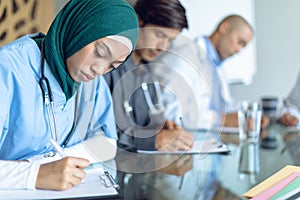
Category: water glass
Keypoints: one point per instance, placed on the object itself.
(249, 118)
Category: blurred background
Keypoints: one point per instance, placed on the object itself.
(268, 66)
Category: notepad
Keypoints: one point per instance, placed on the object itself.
(291, 189)
(200, 147)
(277, 187)
(292, 195)
(272, 180)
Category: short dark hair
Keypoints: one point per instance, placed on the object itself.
(166, 13)
(236, 21)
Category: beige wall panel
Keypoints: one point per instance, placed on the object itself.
(20, 17)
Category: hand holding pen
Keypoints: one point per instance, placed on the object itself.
(171, 125)
(173, 138)
(61, 174)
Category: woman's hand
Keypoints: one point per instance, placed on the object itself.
(62, 174)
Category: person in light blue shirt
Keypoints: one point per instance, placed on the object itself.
(23, 107)
(51, 90)
(204, 57)
(232, 34)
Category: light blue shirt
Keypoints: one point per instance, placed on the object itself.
(187, 71)
(212, 52)
(24, 125)
(218, 102)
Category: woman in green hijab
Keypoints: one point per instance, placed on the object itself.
(57, 114)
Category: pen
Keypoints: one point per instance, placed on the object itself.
(57, 148)
(97, 165)
(181, 122)
(283, 150)
(181, 182)
(182, 177)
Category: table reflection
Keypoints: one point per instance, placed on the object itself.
(196, 176)
(292, 145)
(188, 177)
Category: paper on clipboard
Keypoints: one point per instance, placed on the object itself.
(221, 129)
(199, 147)
(91, 187)
(272, 180)
(227, 129)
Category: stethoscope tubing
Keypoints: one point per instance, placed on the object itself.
(154, 109)
(48, 99)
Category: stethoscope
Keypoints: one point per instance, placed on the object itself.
(154, 109)
(49, 103)
(156, 114)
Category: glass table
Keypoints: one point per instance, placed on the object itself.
(203, 176)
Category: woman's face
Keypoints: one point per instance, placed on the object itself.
(95, 59)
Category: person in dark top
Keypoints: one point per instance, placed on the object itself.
(139, 106)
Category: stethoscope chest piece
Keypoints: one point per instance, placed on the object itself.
(157, 109)
(49, 154)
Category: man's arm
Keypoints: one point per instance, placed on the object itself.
(290, 114)
(231, 120)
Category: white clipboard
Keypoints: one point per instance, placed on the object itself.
(92, 186)
(206, 146)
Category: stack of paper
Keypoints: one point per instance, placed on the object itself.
(284, 184)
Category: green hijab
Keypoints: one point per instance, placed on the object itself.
(79, 23)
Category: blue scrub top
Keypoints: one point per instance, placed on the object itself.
(24, 124)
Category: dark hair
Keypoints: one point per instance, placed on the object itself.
(166, 13)
(236, 21)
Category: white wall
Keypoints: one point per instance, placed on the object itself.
(277, 40)
(276, 45)
(278, 50)
(59, 4)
